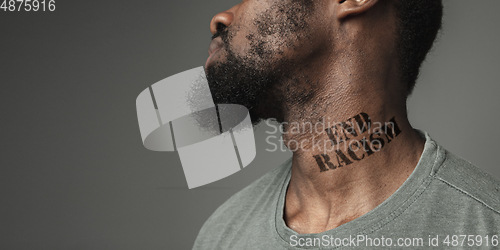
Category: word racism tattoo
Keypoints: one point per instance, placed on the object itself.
(359, 139)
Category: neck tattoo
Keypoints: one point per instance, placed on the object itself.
(354, 140)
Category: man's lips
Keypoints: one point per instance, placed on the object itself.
(215, 46)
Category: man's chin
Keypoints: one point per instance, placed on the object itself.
(244, 82)
(213, 60)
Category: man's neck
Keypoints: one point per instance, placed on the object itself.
(345, 167)
(352, 143)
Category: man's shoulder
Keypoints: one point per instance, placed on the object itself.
(262, 188)
(471, 181)
(254, 201)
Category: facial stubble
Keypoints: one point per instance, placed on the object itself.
(264, 79)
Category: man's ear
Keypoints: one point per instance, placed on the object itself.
(353, 7)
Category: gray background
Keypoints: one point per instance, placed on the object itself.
(74, 173)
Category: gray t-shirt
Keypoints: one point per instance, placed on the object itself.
(446, 203)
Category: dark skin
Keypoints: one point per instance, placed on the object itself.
(343, 56)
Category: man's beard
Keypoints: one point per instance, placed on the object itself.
(263, 80)
(245, 81)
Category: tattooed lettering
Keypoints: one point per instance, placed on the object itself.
(359, 137)
(343, 131)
